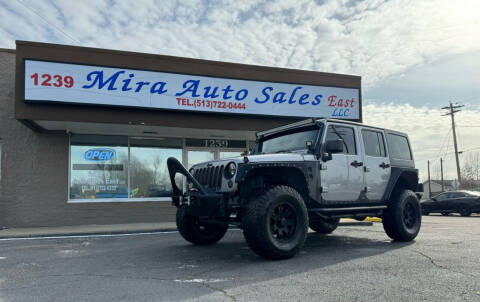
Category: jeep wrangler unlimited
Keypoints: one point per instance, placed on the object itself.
(307, 174)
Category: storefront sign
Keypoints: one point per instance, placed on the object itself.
(82, 84)
(99, 154)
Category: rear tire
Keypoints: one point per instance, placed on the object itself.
(197, 232)
(465, 211)
(323, 226)
(402, 219)
(275, 223)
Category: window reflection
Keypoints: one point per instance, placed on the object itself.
(148, 171)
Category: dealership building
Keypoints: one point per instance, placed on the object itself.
(85, 133)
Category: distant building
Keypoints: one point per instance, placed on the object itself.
(448, 185)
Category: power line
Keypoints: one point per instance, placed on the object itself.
(46, 21)
(443, 143)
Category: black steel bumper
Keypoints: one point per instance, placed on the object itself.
(199, 200)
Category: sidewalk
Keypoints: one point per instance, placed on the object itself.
(87, 230)
(114, 229)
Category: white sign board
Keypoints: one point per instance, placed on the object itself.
(96, 85)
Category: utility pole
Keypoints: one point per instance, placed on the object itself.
(452, 110)
(441, 172)
(429, 182)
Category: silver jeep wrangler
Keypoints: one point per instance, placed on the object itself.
(307, 174)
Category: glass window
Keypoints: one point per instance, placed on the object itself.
(441, 196)
(347, 134)
(98, 167)
(105, 166)
(288, 141)
(148, 166)
(457, 195)
(399, 147)
(373, 143)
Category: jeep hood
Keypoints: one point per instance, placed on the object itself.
(276, 157)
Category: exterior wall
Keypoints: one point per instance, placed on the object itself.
(35, 175)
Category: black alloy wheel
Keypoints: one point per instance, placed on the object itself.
(409, 215)
(283, 222)
(464, 211)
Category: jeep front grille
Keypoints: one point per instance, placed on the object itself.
(210, 176)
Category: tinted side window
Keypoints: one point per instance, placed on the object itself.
(347, 134)
(373, 142)
(441, 196)
(398, 146)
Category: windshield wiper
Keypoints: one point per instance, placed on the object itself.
(284, 151)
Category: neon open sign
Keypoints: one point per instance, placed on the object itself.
(99, 154)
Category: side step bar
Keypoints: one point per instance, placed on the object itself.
(351, 212)
(350, 209)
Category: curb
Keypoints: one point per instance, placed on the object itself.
(80, 233)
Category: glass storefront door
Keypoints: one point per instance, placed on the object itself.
(229, 154)
(198, 156)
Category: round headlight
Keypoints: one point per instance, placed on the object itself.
(231, 170)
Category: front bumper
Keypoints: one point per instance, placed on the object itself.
(200, 200)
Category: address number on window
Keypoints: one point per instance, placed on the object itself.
(216, 143)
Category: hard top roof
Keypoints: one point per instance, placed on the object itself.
(315, 120)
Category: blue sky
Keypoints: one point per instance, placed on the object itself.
(414, 56)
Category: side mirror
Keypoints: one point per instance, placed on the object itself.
(334, 146)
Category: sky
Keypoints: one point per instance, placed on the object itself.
(414, 57)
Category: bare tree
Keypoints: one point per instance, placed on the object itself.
(471, 171)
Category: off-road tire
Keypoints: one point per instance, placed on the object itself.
(323, 226)
(261, 230)
(464, 211)
(403, 217)
(197, 232)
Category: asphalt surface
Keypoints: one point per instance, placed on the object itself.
(352, 264)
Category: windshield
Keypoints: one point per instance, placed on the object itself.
(288, 141)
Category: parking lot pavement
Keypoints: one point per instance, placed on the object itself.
(352, 264)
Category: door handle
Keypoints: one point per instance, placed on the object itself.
(384, 165)
(356, 163)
